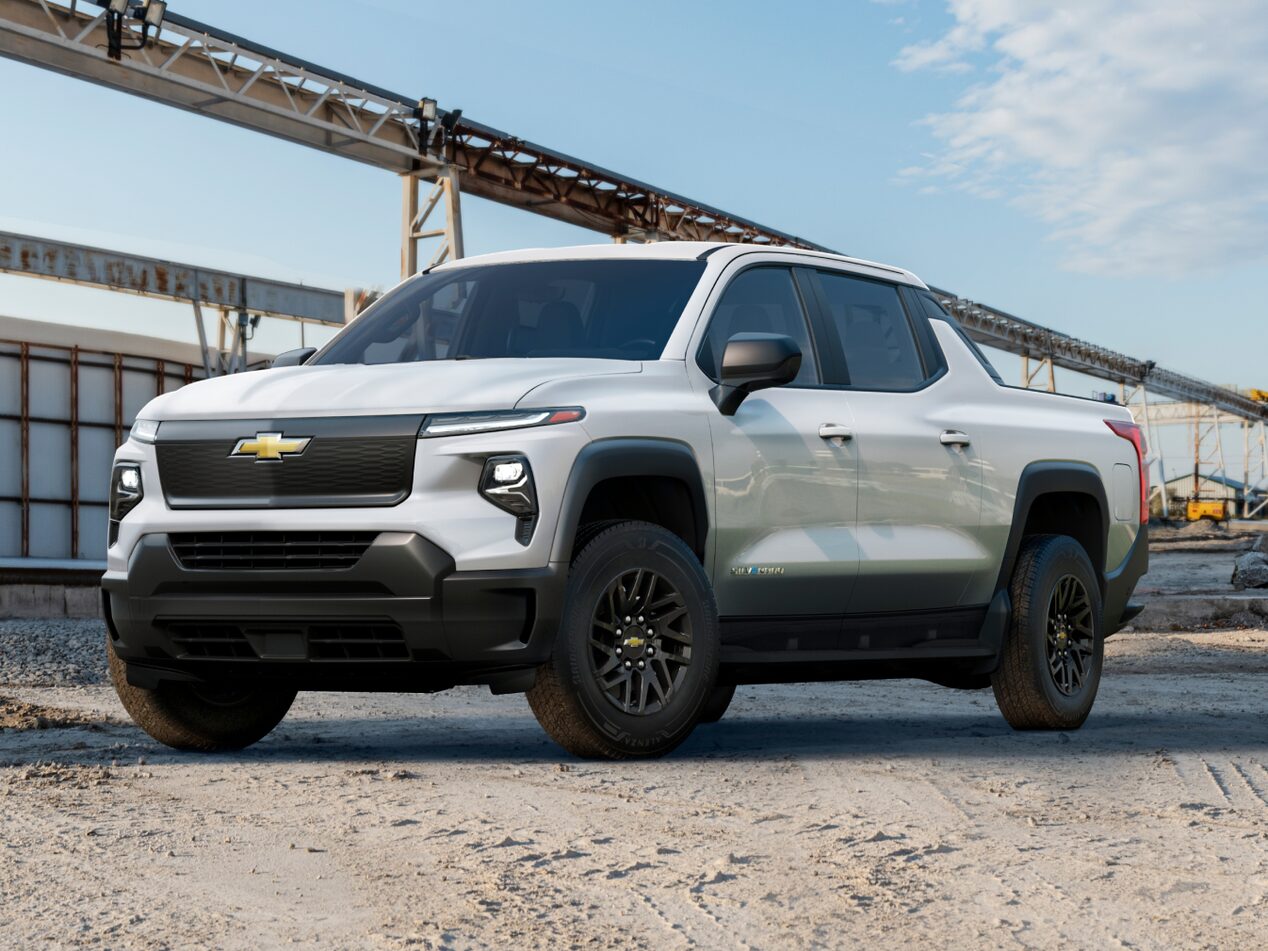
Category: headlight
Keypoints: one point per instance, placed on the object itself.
(461, 424)
(507, 482)
(145, 430)
(125, 492)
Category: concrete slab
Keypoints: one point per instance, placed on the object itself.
(49, 600)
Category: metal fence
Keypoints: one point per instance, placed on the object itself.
(63, 412)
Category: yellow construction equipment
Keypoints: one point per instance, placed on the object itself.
(1217, 510)
(1259, 396)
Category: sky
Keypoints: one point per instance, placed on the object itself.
(1093, 165)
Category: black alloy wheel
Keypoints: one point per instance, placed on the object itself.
(1053, 653)
(1071, 635)
(638, 648)
(640, 642)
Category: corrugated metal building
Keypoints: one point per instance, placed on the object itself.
(68, 396)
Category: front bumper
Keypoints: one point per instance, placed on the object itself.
(401, 618)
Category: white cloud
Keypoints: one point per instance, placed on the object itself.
(1135, 130)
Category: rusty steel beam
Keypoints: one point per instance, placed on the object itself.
(202, 70)
(995, 328)
(208, 71)
(505, 168)
(166, 280)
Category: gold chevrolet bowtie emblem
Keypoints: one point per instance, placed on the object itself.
(270, 447)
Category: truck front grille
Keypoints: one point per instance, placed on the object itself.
(345, 461)
(270, 551)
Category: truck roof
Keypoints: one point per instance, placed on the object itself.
(720, 251)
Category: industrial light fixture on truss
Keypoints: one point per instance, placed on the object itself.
(434, 133)
(149, 12)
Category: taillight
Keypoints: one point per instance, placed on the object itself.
(1133, 434)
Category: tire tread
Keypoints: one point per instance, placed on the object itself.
(556, 706)
(1015, 682)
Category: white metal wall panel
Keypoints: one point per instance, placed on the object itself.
(10, 459)
(50, 530)
(50, 384)
(96, 390)
(10, 527)
(68, 449)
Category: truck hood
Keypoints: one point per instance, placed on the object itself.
(356, 390)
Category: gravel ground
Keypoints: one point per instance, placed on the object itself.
(52, 652)
(878, 814)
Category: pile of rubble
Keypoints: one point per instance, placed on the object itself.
(1251, 569)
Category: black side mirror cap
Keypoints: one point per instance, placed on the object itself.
(754, 362)
(294, 358)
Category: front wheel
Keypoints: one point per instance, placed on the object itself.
(719, 702)
(1050, 667)
(205, 718)
(637, 652)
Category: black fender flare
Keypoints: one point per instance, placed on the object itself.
(629, 456)
(1044, 478)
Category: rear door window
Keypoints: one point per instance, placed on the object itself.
(876, 336)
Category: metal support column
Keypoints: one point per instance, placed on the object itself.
(202, 342)
(1208, 450)
(1029, 377)
(118, 399)
(231, 342)
(24, 399)
(446, 193)
(1136, 400)
(636, 236)
(1256, 473)
(74, 452)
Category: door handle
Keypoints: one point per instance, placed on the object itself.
(835, 431)
(953, 437)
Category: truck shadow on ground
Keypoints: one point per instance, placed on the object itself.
(505, 739)
(767, 737)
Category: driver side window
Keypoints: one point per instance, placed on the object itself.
(759, 300)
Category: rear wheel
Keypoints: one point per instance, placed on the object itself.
(1050, 667)
(206, 718)
(637, 652)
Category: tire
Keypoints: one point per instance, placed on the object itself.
(1037, 686)
(719, 702)
(198, 717)
(590, 696)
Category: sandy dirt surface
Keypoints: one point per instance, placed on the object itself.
(882, 815)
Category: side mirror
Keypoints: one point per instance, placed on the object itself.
(754, 362)
(294, 358)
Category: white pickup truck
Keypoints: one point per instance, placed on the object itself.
(621, 480)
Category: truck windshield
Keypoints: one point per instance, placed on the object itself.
(619, 310)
